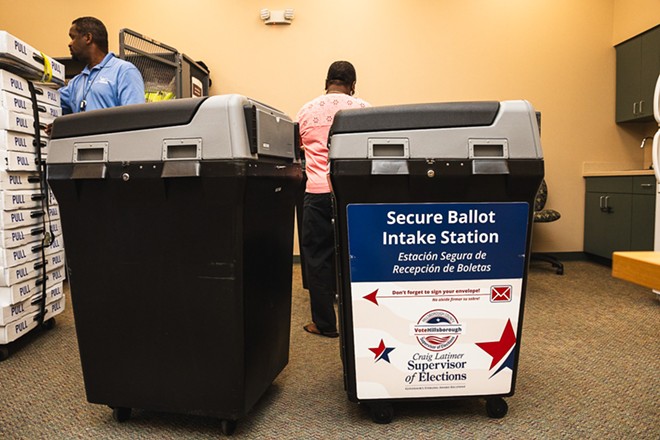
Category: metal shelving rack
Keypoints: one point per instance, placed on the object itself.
(167, 73)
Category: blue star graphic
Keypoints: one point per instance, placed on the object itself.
(385, 354)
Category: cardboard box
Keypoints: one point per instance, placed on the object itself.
(56, 245)
(23, 142)
(26, 59)
(54, 292)
(48, 111)
(19, 180)
(28, 288)
(22, 217)
(16, 103)
(56, 276)
(14, 121)
(12, 238)
(20, 327)
(15, 84)
(14, 312)
(52, 201)
(55, 227)
(18, 161)
(11, 200)
(16, 329)
(47, 95)
(53, 212)
(19, 255)
(32, 269)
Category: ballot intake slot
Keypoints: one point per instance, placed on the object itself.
(182, 149)
(388, 148)
(90, 152)
(488, 148)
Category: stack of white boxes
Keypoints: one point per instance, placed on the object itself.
(29, 215)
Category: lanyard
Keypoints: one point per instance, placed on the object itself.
(88, 87)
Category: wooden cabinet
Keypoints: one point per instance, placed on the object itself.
(619, 214)
(637, 68)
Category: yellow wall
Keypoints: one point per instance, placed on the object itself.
(558, 54)
(629, 19)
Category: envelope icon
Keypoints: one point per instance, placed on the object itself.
(500, 293)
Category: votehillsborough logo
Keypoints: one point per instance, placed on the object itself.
(437, 330)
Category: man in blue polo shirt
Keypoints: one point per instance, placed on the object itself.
(106, 81)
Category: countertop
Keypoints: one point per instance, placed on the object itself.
(604, 169)
(639, 267)
(618, 173)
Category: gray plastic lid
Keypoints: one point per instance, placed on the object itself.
(127, 118)
(415, 117)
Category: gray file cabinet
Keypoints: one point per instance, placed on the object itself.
(619, 214)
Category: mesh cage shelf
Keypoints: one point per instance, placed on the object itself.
(167, 74)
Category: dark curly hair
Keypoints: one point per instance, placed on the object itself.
(340, 73)
(94, 26)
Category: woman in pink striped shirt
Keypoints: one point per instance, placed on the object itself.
(315, 119)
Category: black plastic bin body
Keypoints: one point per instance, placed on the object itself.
(433, 216)
(179, 250)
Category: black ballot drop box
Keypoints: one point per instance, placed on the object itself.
(178, 221)
(433, 217)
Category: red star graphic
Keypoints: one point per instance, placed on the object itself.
(372, 297)
(498, 349)
(382, 352)
(378, 350)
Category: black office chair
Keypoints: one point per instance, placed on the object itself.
(544, 215)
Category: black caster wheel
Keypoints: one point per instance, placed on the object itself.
(49, 324)
(121, 414)
(4, 353)
(381, 413)
(228, 426)
(496, 407)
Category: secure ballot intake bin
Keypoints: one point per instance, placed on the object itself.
(433, 215)
(178, 224)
